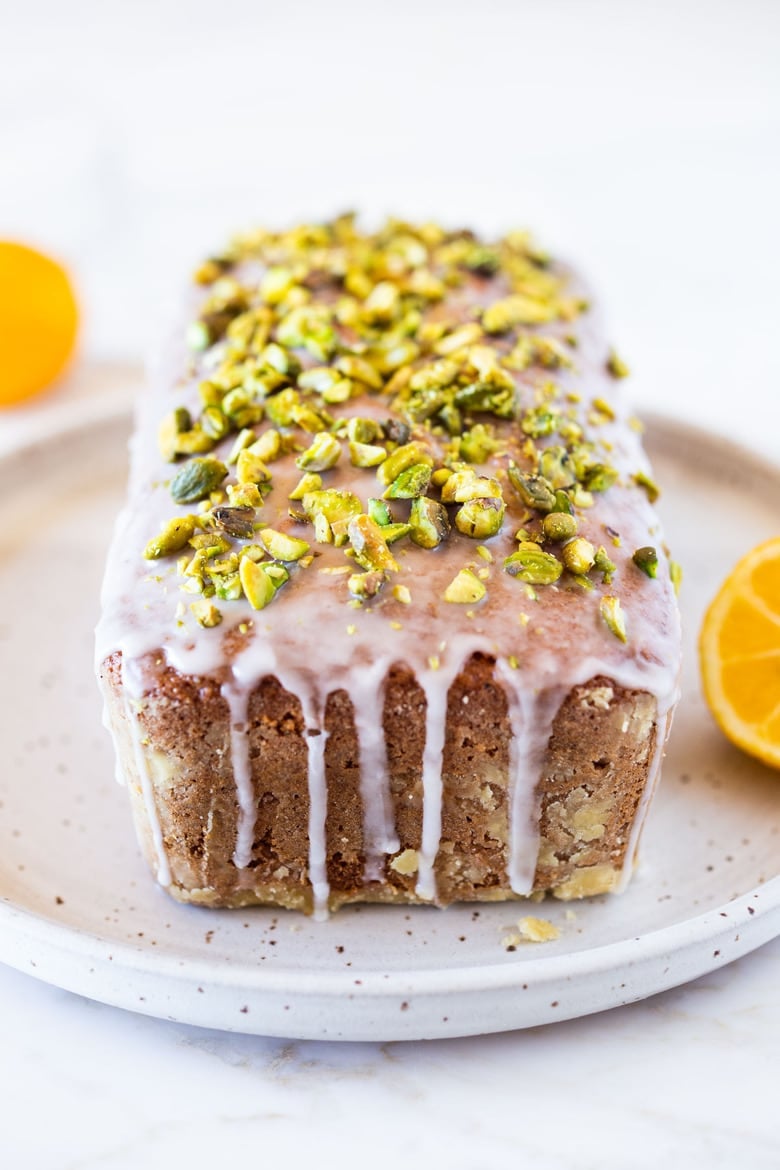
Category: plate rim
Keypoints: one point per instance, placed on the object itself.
(755, 915)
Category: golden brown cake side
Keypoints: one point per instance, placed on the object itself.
(593, 777)
(388, 615)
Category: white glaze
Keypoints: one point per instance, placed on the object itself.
(302, 638)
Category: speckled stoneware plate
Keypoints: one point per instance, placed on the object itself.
(78, 908)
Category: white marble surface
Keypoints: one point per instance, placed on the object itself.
(643, 140)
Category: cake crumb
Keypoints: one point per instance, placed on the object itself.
(537, 930)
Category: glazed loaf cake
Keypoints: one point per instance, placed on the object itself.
(388, 615)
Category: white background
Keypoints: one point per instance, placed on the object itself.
(643, 140)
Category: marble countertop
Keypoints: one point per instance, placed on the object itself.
(652, 158)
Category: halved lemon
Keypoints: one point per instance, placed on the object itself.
(739, 648)
(38, 321)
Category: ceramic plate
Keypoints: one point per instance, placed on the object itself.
(78, 909)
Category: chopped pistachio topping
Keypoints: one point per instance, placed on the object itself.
(369, 544)
(235, 520)
(480, 518)
(616, 366)
(323, 453)
(429, 522)
(206, 613)
(578, 556)
(559, 526)
(650, 487)
(612, 613)
(197, 479)
(465, 589)
(532, 565)
(281, 546)
(676, 575)
(306, 340)
(173, 538)
(646, 559)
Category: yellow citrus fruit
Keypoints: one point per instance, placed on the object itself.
(38, 321)
(739, 649)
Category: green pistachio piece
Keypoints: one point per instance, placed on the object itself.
(487, 397)
(340, 391)
(268, 446)
(334, 505)
(276, 283)
(482, 260)
(429, 522)
(380, 512)
(556, 467)
(214, 423)
(197, 479)
(318, 378)
(599, 478)
(650, 487)
(514, 310)
(559, 526)
(676, 575)
(532, 565)
(394, 532)
(280, 408)
(406, 456)
(646, 559)
(237, 401)
(206, 613)
(366, 455)
(381, 304)
(363, 430)
(259, 587)
(276, 357)
(563, 503)
(175, 423)
(310, 420)
(463, 336)
(477, 444)
(367, 539)
(199, 336)
(603, 564)
(359, 370)
(395, 430)
(539, 421)
(281, 546)
(309, 482)
(228, 586)
(480, 518)
(411, 483)
(612, 613)
(534, 490)
(467, 485)
(396, 355)
(323, 453)
(465, 589)
(250, 468)
(236, 521)
(578, 555)
(243, 439)
(366, 584)
(244, 495)
(435, 376)
(194, 442)
(174, 536)
(616, 366)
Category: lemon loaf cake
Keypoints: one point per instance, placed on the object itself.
(388, 615)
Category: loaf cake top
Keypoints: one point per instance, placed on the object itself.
(375, 444)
